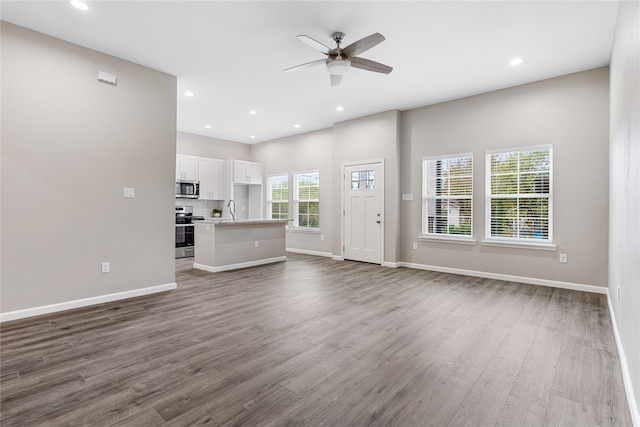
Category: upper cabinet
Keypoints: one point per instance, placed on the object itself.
(246, 172)
(211, 174)
(186, 167)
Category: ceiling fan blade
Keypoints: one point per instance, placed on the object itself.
(363, 45)
(315, 44)
(369, 65)
(335, 79)
(306, 65)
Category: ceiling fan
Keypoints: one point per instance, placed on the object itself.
(339, 59)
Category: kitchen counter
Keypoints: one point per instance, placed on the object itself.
(223, 244)
(227, 221)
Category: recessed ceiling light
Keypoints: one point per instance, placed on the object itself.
(252, 137)
(296, 125)
(339, 108)
(188, 93)
(207, 126)
(515, 61)
(80, 5)
(253, 112)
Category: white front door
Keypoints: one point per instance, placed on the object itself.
(363, 212)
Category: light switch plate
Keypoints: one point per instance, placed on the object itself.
(128, 192)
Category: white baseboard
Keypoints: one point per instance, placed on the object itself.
(509, 278)
(390, 264)
(85, 302)
(337, 258)
(307, 252)
(238, 265)
(626, 374)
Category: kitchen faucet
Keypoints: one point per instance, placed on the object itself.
(232, 211)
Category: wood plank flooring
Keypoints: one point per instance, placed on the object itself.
(312, 341)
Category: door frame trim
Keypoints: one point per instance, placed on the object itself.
(343, 166)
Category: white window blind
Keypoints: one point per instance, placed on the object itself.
(278, 196)
(447, 195)
(307, 200)
(519, 195)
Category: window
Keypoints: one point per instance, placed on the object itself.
(447, 196)
(278, 197)
(306, 200)
(519, 195)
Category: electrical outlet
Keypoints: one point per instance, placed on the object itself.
(563, 258)
(256, 244)
(128, 192)
(106, 267)
(415, 245)
(322, 237)
(618, 294)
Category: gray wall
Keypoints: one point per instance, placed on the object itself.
(569, 112)
(69, 146)
(624, 240)
(369, 138)
(202, 146)
(299, 153)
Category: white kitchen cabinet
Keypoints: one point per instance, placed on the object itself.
(211, 176)
(186, 167)
(243, 184)
(246, 172)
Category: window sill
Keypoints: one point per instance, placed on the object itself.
(520, 245)
(305, 230)
(447, 239)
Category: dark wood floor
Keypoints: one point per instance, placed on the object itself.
(312, 341)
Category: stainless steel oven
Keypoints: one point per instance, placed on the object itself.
(185, 240)
(185, 231)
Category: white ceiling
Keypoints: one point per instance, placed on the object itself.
(231, 54)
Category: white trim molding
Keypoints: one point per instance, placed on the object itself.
(308, 252)
(85, 302)
(509, 278)
(390, 264)
(304, 230)
(238, 265)
(447, 239)
(624, 366)
(520, 245)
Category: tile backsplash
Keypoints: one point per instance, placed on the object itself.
(201, 207)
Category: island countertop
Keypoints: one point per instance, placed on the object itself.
(229, 221)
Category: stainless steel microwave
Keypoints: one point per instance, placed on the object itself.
(187, 189)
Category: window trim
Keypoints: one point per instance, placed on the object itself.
(518, 242)
(296, 203)
(446, 238)
(269, 201)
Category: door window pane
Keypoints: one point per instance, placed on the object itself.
(363, 180)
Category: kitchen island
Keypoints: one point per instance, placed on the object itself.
(222, 244)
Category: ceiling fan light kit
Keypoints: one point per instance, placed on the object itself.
(338, 67)
(339, 60)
